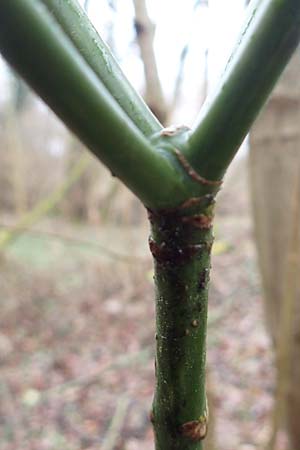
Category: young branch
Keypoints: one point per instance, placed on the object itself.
(181, 243)
(41, 52)
(271, 34)
(175, 173)
(38, 47)
(117, 422)
(97, 55)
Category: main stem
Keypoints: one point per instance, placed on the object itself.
(181, 242)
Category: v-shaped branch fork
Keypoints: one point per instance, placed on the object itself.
(54, 46)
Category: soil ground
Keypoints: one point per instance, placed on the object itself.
(77, 327)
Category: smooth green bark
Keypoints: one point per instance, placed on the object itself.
(40, 51)
(181, 242)
(270, 35)
(172, 171)
(97, 54)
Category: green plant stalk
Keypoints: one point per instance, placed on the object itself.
(41, 52)
(164, 173)
(181, 242)
(97, 54)
(271, 34)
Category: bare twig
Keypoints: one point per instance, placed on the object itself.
(86, 5)
(17, 161)
(116, 424)
(181, 66)
(179, 77)
(93, 246)
(112, 4)
(88, 379)
(145, 30)
(46, 204)
(200, 3)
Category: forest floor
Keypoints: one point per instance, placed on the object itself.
(77, 327)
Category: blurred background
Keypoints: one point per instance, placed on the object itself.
(76, 288)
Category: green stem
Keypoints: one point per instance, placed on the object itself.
(41, 52)
(271, 34)
(172, 168)
(180, 242)
(97, 54)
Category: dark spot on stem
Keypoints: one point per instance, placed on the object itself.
(203, 279)
(168, 254)
(195, 430)
(199, 307)
(207, 200)
(151, 416)
(201, 221)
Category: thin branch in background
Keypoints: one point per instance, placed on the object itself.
(145, 31)
(19, 97)
(112, 4)
(179, 77)
(84, 381)
(200, 3)
(98, 57)
(89, 378)
(287, 313)
(110, 38)
(114, 430)
(108, 200)
(93, 246)
(17, 161)
(86, 5)
(46, 204)
(205, 76)
(181, 67)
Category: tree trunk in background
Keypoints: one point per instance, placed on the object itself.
(145, 31)
(274, 168)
